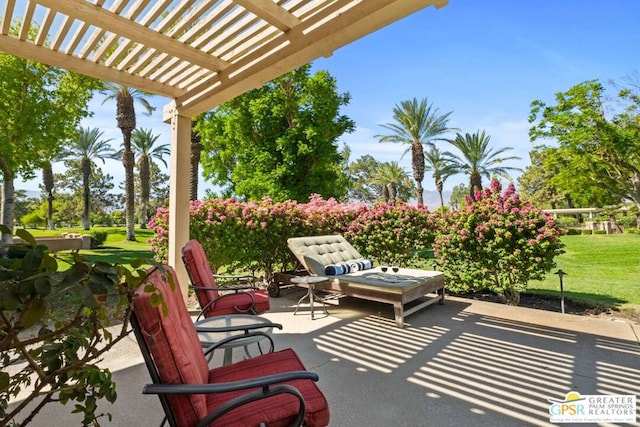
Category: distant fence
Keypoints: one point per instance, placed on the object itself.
(608, 226)
(68, 241)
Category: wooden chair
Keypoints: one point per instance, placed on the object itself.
(273, 389)
(240, 299)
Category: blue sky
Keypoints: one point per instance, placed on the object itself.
(484, 61)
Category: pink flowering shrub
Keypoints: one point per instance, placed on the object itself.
(243, 236)
(322, 216)
(498, 243)
(392, 234)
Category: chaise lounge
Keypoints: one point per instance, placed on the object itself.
(356, 277)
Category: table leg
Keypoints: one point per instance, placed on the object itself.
(311, 299)
(227, 357)
(310, 295)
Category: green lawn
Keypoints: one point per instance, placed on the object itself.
(115, 249)
(601, 270)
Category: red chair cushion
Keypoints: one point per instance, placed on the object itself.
(174, 345)
(200, 272)
(274, 411)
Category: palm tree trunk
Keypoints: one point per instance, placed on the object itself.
(417, 162)
(86, 193)
(47, 181)
(127, 161)
(196, 149)
(145, 189)
(385, 193)
(440, 187)
(475, 183)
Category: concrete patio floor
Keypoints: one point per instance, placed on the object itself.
(466, 363)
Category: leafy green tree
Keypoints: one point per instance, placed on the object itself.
(126, 117)
(459, 194)
(23, 203)
(279, 140)
(477, 159)
(361, 187)
(145, 149)
(599, 143)
(86, 149)
(442, 167)
(538, 182)
(40, 108)
(416, 124)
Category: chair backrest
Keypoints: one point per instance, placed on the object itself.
(172, 341)
(317, 252)
(199, 271)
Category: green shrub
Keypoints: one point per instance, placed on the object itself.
(33, 219)
(586, 231)
(599, 232)
(98, 238)
(573, 231)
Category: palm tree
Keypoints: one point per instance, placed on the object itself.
(416, 124)
(478, 160)
(390, 176)
(143, 147)
(88, 147)
(126, 117)
(442, 165)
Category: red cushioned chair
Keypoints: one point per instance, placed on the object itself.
(242, 299)
(273, 389)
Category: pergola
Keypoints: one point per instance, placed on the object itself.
(200, 53)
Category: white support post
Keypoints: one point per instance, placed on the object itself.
(179, 195)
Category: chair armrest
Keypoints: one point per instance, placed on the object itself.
(223, 288)
(224, 341)
(250, 327)
(212, 303)
(264, 381)
(236, 277)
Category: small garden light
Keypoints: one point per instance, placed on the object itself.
(561, 273)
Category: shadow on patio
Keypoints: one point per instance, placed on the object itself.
(464, 363)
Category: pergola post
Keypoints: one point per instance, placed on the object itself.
(179, 194)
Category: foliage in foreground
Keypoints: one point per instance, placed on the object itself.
(50, 355)
(497, 242)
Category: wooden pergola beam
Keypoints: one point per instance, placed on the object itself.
(37, 53)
